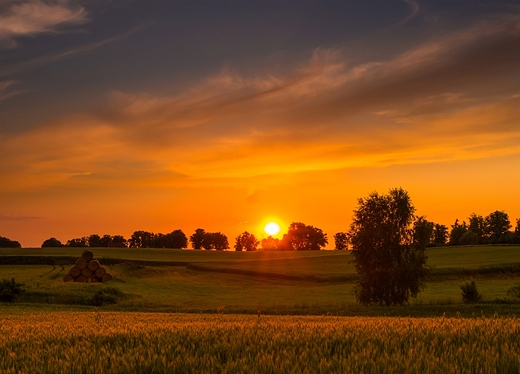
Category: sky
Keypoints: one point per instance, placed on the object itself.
(122, 115)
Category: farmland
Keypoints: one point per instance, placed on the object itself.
(308, 282)
(264, 312)
(91, 342)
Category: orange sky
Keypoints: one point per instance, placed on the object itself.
(237, 146)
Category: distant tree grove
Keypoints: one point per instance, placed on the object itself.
(495, 228)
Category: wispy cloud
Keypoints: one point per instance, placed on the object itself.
(7, 89)
(49, 59)
(28, 18)
(430, 104)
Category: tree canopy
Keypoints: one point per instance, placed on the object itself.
(246, 242)
(388, 244)
(301, 237)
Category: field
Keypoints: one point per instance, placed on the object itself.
(179, 311)
(313, 282)
(92, 342)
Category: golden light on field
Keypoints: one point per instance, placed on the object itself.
(272, 228)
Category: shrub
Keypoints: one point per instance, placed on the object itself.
(10, 290)
(107, 295)
(470, 293)
(514, 293)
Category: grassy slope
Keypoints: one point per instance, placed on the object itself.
(188, 288)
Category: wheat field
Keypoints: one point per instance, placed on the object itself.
(94, 342)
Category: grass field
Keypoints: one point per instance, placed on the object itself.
(92, 342)
(313, 282)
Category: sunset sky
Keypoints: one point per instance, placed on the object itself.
(117, 116)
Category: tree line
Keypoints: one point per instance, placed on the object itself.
(494, 228)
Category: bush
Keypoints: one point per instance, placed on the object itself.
(108, 295)
(470, 293)
(10, 290)
(514, 293)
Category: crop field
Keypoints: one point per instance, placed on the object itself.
(306, 282)
(93, 342)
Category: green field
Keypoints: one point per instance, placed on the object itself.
(310, 282)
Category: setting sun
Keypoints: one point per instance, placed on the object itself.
(272, 228)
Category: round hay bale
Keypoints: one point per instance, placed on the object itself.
(68, 278)
(107, 277)
(86, 272)
(93, 265)
(81, 263)
(100, 272)
(80, 279)
(75, 271)
(93, 279)
(87, 255)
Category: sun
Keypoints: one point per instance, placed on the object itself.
(272, 228)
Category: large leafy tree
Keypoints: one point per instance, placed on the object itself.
(246, 242)
(440, 234)
(270, 244)
(303, 237)
(197, 238)
(52, 242)
(141, 239)
(497, 226)
(341, 241)
(8, 243)
(477, 225)
(388, 248)
(457, 230)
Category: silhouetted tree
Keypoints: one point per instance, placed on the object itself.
(389, 254)
(477, 226)
(341, 241)
(215, 240)
(303, 237)
(423, 231)
(141, 239)
(246, 242)
(105, 240)
(440, 234)
(197, 238)
(52, 242)
(469, 238)
(175, 239)
(77, 242)
(8, 243)
(117, 241)
(497, 226)
(94, 240)
(270, 244)
(457, 230)
(516, 235)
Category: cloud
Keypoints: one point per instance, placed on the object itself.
(28, 18)
(7, 91)
(49, 59)
(4, 217)
(453, 98)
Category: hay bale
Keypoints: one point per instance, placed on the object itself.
(68, 278)
(107, 277)
(80, 279)
(81, 263)
(75, 271)
(86, 272)
(87, 255)
(94, 265)
(100, 272)
(93, 279)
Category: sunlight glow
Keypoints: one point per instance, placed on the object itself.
(272, 228)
